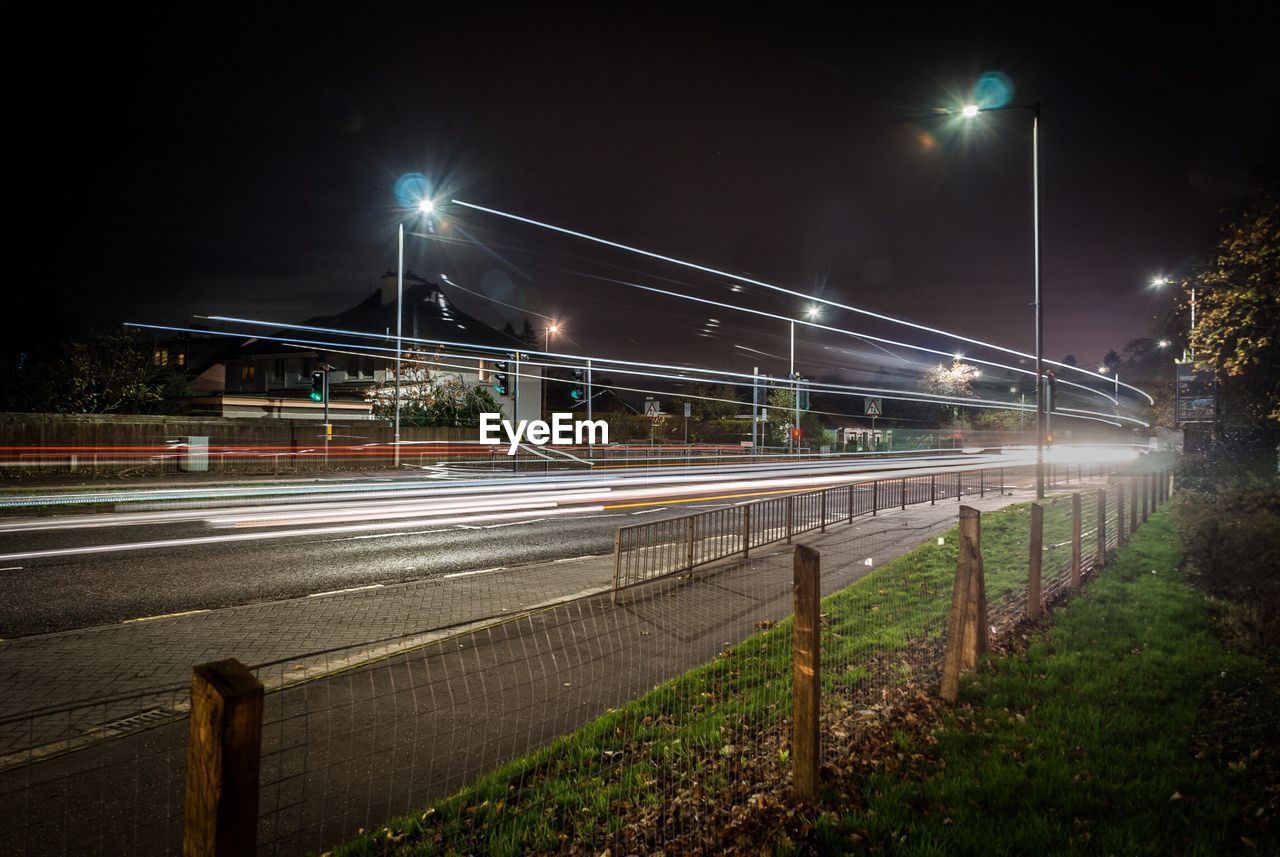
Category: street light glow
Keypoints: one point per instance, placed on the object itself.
(813, 311)
(1164, 343)
(970, 110)
(426, 206)
(1157, 282)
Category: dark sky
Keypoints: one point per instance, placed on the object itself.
(242, 161)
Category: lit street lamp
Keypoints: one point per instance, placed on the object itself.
(553, 327)
(426, 207)
(1160, 282)
(969, 111)
(810, 313)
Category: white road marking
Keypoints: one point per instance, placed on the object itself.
(650, 511)
(341, 591)
(12, 568)
(470, 573)
(163, 616)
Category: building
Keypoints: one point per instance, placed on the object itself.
(265, 377)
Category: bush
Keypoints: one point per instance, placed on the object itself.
(1230, 528)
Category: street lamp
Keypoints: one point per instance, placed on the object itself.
(811, 312)
(426, 206)
(1161, 281)
(969, 111)
(553, 327)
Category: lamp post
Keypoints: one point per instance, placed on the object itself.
(425, 206)
(811, 313)
(969, 111)
(1158, 282)
(553, 327)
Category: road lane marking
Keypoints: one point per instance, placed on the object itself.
(12, 568)
(163, 616)
(349, 589)
(470, 573)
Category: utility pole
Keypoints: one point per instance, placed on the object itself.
(590, 435)
(399, 343)
(755, 409)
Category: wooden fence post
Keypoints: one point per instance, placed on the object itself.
(746, 531)
(1075, 542)
(1037, 545)
(1133, 506)
(1119, 513)
(1144, 486)
(967, 622)
(1102, 529)
(806, 678)
(223, 754)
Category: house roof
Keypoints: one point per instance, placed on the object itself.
(428, 314)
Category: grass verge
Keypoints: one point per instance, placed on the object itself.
(1083, 743)
(716, 730)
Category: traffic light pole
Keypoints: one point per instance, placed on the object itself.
(328, 429)
(399, 346)
(591, 435)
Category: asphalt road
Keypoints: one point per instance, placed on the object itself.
(159, 554)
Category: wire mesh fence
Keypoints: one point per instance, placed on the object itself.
(638, 720)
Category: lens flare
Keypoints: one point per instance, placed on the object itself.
(411, 189)
(993, 89)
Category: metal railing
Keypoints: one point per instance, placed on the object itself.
(643, 552)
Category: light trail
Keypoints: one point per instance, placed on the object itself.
(611, 365)
(281, 534)
(750, 281)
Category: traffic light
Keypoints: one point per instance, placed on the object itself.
(317, 386)
(1048, 439)
(576, 393)
(1053, 390)
(500, 377)
(795, 434)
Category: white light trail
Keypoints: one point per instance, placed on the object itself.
(772, 287)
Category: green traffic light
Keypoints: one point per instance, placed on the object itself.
(576, 395)
(500, 390)
(317, 396)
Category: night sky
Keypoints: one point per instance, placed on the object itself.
(242, 162)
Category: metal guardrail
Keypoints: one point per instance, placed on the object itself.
(643, 552)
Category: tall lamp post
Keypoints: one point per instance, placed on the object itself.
(1158, 282)
(553, 327)
(810, 313)
(969, 111)
(425, 206)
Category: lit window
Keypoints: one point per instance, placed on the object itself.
(161, 357)
(247, 373)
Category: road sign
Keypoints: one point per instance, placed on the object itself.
(873, 407)
(652, 408)
(688, 410)
(1196, 396)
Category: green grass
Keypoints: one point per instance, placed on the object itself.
(1082, 745)
(578, 787)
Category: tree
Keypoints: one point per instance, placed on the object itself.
(711, 402)
(101, 374)
(1237, 333)
(430, 398)
(954, 380)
